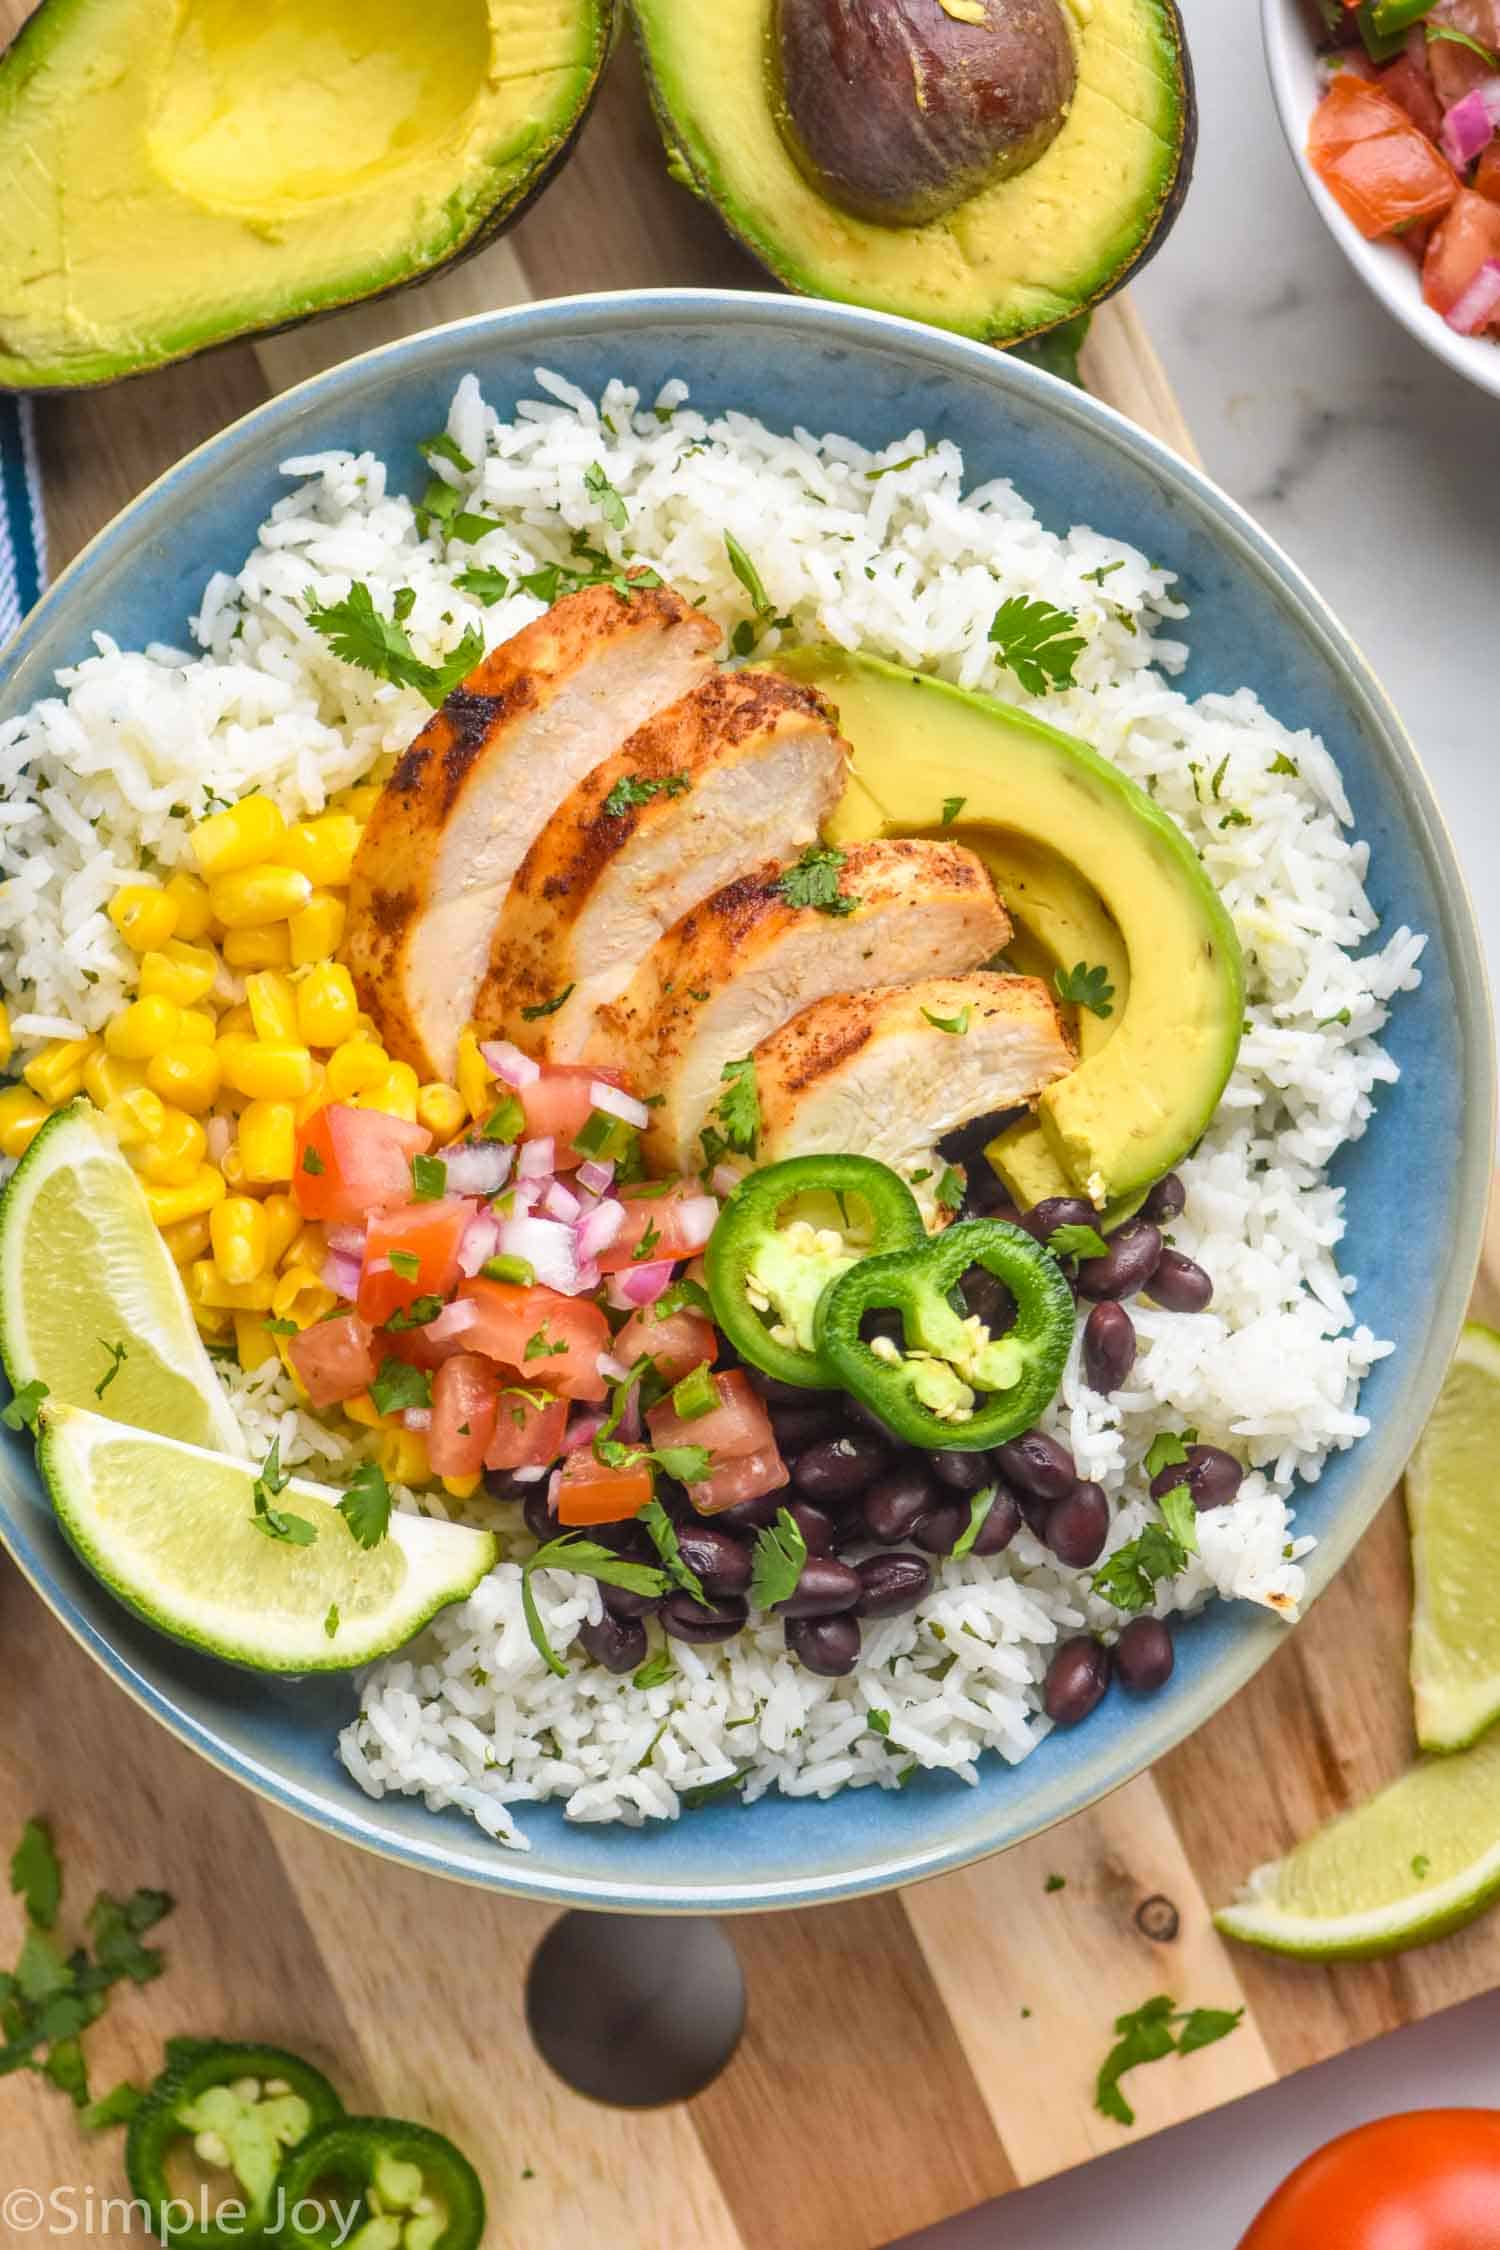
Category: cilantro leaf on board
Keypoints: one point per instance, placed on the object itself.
(1086, 987)
(1038, 643)
(35, 1874)
(1146, 2035)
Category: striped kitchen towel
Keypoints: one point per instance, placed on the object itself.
(23, 530)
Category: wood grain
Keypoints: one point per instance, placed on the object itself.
(903, 2057)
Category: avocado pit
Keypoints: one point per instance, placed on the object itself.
(901, 110)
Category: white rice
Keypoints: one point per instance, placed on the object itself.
(108, 775)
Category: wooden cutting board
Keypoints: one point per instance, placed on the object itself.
(903, 2058)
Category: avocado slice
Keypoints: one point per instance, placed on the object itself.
(176, 175)
(1151, 1072)
(1020, 254)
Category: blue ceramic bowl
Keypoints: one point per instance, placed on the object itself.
(1427, 1156)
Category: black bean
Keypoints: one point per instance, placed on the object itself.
(940, 1530)
(622, 1538)
(1128, 1266)
(1211, 1475)
(1055, 1211)
(1144, 1655)
(751, 1515)
(621, 1602)
(798, 1427)
(889, 1584)
(1165, 1200)
(720, 1560)
(966, 1143)
(893, 1503)
(1179, 1284)
(535, 1513)
(1076, 1679)
(985, 1197)
(1108, 1346)
(987, 1298)
(1078, 1526)
(687, 1620)
(1043, 1469)
(826, 1645)
(866, 1420)
(818, 1528)
(618, 1643)
(838, 1468)
(777, 1393)
(963, 1472)
(825, 1587)
(1000, 1525)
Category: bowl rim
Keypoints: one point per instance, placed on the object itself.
(1383, 1452)
(1388, 275)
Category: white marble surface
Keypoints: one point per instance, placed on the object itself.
(1379, 472)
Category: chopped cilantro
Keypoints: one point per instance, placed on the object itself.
(599, 489)
(1420, 1865)
(655, 1672)
(1077, 1242)
(358, 634)
(647, 1244)
(417, 1314)
(1055, 1883)
(1234, 818)
(980, 1505)
(894, 468)
(814, 881)
(630, 790)
(276, 1523)
(949, 1192)
(1086, 987)
(35, 1875)
(1281, 763)
(331, 1621)
(21, 1412)
(399, 1386)
(312, 1163)
(118, 1354)
(593, 1561)
(952, 807)
(366, 1505)
(444, 448)
(686, 1464)
(1105, 570)
(539, 1345)
(279, 1327)
(683, 1296)
(748, 576)
(956, 1026)
(547, 1007)
(506, 1122)
(1216, 778)
(1038, 643)
(1128, 1577)
(662, 1533)
(487, 586)
(780, 1552)
(1166, 1449)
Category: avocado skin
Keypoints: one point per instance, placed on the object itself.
(691, 164)
(1141, 1096)
(28, 50)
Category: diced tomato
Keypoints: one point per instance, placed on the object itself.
(676, 1345)
(1468, 236)
(351, 1162)
(558, 1104)
(1487, 174)
(658, 1227)
(335, 1359)
(590, 1493)
(1410, 87)
(1456, 69)
(1374, 161)
(545, 1337)
(430, 1233)
(526, 1436)
(748, 1477)
(738, 1425)
(465, 1395)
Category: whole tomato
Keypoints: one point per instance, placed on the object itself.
(1426, 2180)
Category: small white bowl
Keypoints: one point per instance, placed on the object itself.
(1389, 274)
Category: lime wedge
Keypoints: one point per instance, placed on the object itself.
(171, 1530)
(84, 1271)
(1453, 1507)
(1419, 1860)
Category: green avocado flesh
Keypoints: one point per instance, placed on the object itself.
(1017, 257)
(1135, 898)
(173, 175)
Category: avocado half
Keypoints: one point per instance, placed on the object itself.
(173, 175)
(1091, 870)
(1015, 258)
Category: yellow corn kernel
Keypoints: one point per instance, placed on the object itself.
(316, 1095)
(170, 1205)
(283, 1225)
(7, 1040)
(22, 1116)
(187, 1240)
(326, 1006)
(272, 1001)
(475, 1079)
(199, 1027)
(362, 1409)
(213, 1327)
(318, 931)
(186, 1073)
(354, 1067)
(241, 1236)
(299, 1295)
(461, 1487)
(235, 1023)
(237, 838)
(173, 1154)
(264, 1069)
(106, 1077)
(190, 897)
(207, 1286)
(365, 1027)
(441, 1109)
(56, 1073)
(361, 800)
(402, 1454)
(232, 1165)
(143, 1029)
(144, 916)
(396, 1093)
(138, 1115)
(180, 972)
(252, 895)
(309, 1249)
(253, 1342)
(267, 1142)
(264, 946)
(324, 848)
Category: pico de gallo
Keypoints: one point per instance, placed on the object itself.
(1406, 139)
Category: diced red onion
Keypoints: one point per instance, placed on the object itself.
(548, 1248)
(554, 1486)
(533, 1475)
(641, 1285)
(725, 1178)
(418, 1417)
(614, 1103)
(477, 1167)
(341, 1274)
(1470, 124)
(559, 1202)
(598, 1229)
(348, 1239)
(696, 1217)
(524, 1196)
(612, 1369)
(510, 1066)
(630, 1420)
(1479, 302)
(454, 1320)
(481, 1239)
(598, 1179)
(581, 1431)
(589, 1278)
(536, 1158)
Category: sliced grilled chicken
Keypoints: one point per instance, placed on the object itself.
(469, 798)
(738, 774)
(887, 1073)
(742, 964)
